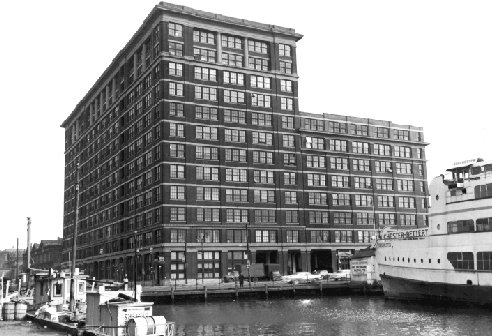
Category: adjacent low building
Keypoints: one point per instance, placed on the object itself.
(191, 154)
(46, 254)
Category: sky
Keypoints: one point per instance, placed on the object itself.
(422, 63)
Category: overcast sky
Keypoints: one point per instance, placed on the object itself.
(424, 63)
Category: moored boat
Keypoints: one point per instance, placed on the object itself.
(452, 258)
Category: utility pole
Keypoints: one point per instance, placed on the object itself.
(17, 266)
(28, 252)
(74, 243)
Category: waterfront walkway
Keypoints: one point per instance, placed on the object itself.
(215, 288)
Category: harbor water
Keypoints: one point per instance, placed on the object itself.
(334, 316)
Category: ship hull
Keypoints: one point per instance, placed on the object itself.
(409, 289)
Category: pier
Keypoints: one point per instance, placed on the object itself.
(211, 289)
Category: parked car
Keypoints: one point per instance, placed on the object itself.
(301, 277)
(341, 275)
(231, 276)
(325, 275)
(275, 276)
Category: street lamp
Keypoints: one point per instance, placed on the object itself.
(248, 264)
(135, 265)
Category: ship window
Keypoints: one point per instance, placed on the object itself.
(461, 260)
(438, 261)
(461, 226)
(484, 261)
(484, 224)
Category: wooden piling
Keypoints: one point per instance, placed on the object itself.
(266, 291)
(205, 292)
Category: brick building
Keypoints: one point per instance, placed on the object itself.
(46, 254)
(192, 149)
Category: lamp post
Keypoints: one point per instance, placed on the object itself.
(135, 265)
(248, 264)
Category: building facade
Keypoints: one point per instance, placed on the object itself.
(11, 263)
(46, 254)
(192, 150)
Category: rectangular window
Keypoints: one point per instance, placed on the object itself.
(402, 134)
(386, 201)
(236, 195)
(176, 49)
(236, 175)
(344, 236)
(258, 47)
(206, 55)
(405, 185)
(260, 100)
(317, 198)
(362, 182)
(235, 155)
(234, 135)
(288, 141)
(260, 82)
(290, 197)
(342, 218)
(233, 78)
(175, 30)
(286, 104)
(287, 122)
(382, 132)
(285, 67)
(264, 196)
(402, 151)
(315, 143)
(207, 215)
(206, 153)
(383, 167)
(340, 199)
(284, 50)
(364, 218)
(265, 216)
(176, 150)
(262, 157)
(207, 194)
(406, 202)
(230, 59)
(177, 193)
(337, 127)
(205, 74)
(175, 69)
(205, 93)
(263, 176)
(315, 161)
(461, 226)
(291, 216)
(363, 200)
(234, 116)
(177, 171)
(361, 165)
(384, 184)
(176, 89)
(289, 178)
(384, 150)
(285, 85)
(236, 215)
(338, 181)
(206, 113)
(233, 42)
(176, 130)
(176, 109)
(207, 173)
(360, 147)
(338, 145)
(178, 235)
(265, 236)
(292, 236)
(201, 36)
(403, 168)
(320, 236)
(178, 214)
(359, 129)
(316, 180)
(338, 163)
(261, 119)
(408, 220)
(234, 97)
(314, 124)
(258, 63)
(319, 217)
(262, 138)
(206, 133)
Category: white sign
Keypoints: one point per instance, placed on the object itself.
(407, 234)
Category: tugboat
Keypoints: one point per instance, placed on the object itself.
(452, 258)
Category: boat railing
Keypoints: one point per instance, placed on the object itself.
(169, 329)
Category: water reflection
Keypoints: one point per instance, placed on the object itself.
(338, 316)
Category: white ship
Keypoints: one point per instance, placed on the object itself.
(452, 258)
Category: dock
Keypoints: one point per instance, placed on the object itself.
(210, 290)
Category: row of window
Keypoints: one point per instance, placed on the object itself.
(469, 225)
(175, 30)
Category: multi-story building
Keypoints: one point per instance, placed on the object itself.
(191, 148)
(45, 255)
(11, 263)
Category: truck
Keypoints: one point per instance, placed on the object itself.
(257, 271)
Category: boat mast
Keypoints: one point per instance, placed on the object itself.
(74, 243)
